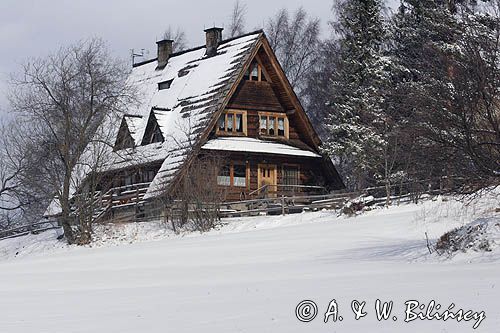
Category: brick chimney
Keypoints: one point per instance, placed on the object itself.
(213, 39)
(164, 52)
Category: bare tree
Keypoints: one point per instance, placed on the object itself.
(238, 20)
(295, 41)
(197, 196)
(65, 99)
(10, 168)
(19, 202)
(194, 199)
(471, 123)
(178, 36)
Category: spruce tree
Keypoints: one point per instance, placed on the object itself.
(425, 36)
(358, 126)
(446, 86)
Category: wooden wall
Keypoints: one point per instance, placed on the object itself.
(310, 169)
(255, 97)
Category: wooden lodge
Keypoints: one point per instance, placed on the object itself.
(228, 100)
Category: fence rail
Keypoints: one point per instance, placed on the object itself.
(296, 202)
(32, 228)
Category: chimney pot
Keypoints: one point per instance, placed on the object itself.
(164, 52)
(213, 39)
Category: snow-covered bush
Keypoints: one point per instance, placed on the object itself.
(482, 235)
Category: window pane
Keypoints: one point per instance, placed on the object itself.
(239, 175)
(224, 178)
(222, 124)
(230, 117)
(263, 125)
(255, 72)
(281, 126)
(291, 176)
(239, 123)
(272, 121)
(165, 84)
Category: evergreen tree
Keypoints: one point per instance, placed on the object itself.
(446, 86)
(422, 33)
(359, 128)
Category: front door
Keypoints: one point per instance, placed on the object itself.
(268, 179)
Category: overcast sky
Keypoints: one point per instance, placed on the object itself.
(32, 28)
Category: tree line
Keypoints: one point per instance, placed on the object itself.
(413, 95)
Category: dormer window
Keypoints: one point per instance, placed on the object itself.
(156, 135)
(232, 122)
(124, 138)
(153, 132)
(255, 73)
(165, 84)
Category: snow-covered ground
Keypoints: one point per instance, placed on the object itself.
(251, 273)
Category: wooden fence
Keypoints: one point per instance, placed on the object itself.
(132, 195)
(32, 228)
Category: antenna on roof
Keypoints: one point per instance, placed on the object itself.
(134, 54)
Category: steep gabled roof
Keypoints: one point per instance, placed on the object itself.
(198, 86)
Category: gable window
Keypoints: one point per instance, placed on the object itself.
(273, 124)
(165, 84)
(232, 122)
(234, 174)
(255, 73)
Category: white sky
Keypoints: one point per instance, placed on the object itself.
(32, 28)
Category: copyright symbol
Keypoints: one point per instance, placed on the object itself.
(306, 311)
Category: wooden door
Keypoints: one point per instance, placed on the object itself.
(268, 176)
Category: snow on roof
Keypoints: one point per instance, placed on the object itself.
(134, 123)
(252, 145)
(198, 86)
(53, 209)
(134, 156)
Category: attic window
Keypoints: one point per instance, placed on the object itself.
(232, 122)
(273, 124)
(255, 73)
(165, 84)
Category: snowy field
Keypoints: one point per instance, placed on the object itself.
(250, 274)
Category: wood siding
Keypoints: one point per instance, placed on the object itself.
(254, 97)
(310, 171)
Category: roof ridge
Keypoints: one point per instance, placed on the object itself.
(224, 41)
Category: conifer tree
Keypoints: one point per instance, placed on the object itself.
(359, 128)
(445, 86)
